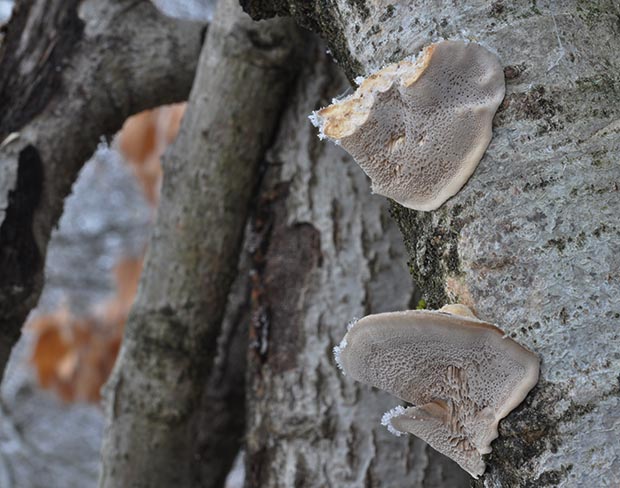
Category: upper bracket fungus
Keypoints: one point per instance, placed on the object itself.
(419, 127)
(461, 374)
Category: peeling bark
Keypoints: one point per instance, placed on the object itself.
(210, 174)
(70, 73)
(325, 252)
(532, 242)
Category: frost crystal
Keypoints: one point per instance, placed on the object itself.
(337, 350)
(386, 420)
(352, 323)
(315, 119)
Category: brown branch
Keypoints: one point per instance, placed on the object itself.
(70, 73)
(241, 86)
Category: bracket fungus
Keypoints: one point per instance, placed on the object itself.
(419, 127)
(461, 374)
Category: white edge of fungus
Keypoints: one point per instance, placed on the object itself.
(317, 121)
(386, 420)
(353, 321)
(337, 351)
(343, 343)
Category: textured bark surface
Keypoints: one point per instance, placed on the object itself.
(210, 175)
(220, 419)
(70, 73)
(532, 242)
(325, 251)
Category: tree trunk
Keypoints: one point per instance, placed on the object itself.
(70, 73)
(326, 251)
(209, 179)
(532, 242)
(220, 420)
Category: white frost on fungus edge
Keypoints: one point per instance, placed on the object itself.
(386, 420)
(316, 121)
(353, 321)
(343, 343)
(337, 351)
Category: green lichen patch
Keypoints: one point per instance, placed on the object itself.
(513, 72)
(373, 31)
(593, 12)
(389, 12)
(606, 83)
(601, 229)
(431, 240)
(361, 7)
(498, 9)
(595, 93)
(553, 477)
(577, 241)
(559, 244)
(536, 104)
(527, 432)
(532, 429)
(534, 7)
(600, 159)
(538, 185)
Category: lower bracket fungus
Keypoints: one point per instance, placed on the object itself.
(419, 127)
(461, 374)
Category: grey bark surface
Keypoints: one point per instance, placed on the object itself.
(70, 73)
(210, 175)
(532, 242)
(220, 419)
(325, 251)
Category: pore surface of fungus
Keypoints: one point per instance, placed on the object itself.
(418, 128)
(462, 376)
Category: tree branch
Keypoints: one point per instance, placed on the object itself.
(70, 73)
(210, 175)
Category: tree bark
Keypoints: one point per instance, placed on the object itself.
(70, 73)
(210, 175)
(532, 241)
(326, 251)
(220, 419)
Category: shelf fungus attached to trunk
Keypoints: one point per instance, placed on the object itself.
(419, 127)
(461, 374)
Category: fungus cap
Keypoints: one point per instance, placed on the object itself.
(418, 128)
(461, 374)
